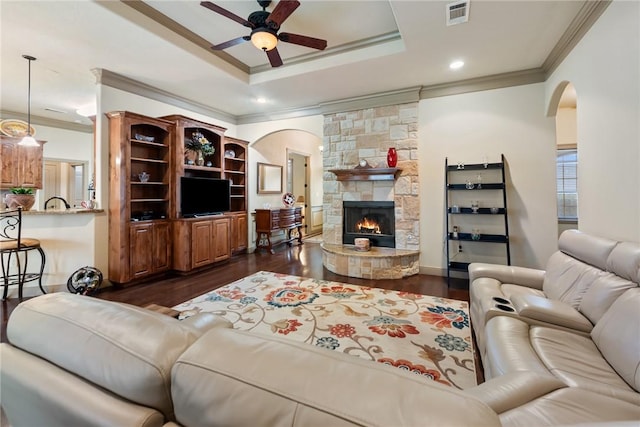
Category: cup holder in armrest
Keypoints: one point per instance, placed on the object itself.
(505, 307)
(501, 300)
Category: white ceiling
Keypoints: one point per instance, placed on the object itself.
(374, 46)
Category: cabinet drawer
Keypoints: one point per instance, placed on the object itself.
(287, 221)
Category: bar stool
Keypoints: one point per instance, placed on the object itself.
(12, 244)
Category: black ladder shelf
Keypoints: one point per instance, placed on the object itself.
(461, 219)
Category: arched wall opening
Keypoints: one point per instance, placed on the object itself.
(276, 148)
(563, 105)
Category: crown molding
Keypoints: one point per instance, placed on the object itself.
(118, 81)
(583, 21)
(402, 96)
(369, 42)
(45, 121)
(477, 84)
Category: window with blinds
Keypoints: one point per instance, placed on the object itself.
(567, 183)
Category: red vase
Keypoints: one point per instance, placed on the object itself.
(392, 157)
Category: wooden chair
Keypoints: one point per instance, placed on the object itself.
(14, 253)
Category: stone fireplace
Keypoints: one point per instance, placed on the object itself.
(367, 135)
(373, 220)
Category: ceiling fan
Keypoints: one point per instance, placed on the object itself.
(264, 29)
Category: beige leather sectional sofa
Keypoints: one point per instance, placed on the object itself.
(79, 361)
(570, 333)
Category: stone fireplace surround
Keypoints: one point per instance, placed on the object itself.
(368, 134)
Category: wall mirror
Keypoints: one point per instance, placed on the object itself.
(269, 179)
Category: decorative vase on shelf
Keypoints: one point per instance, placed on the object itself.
(392, 157)
(200, 159)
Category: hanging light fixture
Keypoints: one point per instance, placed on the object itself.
(28, 140)
(264, 39)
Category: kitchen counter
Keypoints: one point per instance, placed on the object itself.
(71, 239)
(72, 211)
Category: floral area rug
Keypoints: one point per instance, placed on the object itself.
(426, 335)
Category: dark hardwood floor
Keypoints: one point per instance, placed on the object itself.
(304, 260)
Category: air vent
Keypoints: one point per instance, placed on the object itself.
(53, 110)
(457, 12)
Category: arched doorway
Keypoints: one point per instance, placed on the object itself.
(564, 107)
(279, 148)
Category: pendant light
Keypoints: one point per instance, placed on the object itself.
(28, 140)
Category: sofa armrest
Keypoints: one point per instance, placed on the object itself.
(202, 322)
(514, 389)
(529, 277)
(550, 311)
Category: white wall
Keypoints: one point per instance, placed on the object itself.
(467, 127)
(66, 144)
(604, 68)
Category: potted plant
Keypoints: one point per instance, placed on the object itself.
(20, 196)
(199, 145)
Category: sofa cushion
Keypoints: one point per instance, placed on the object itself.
(124, 349)
(624, 261)
(575, 360)
(567, 278)
(235, 378)
(617, 336)
(601, 294)
(37, 393)
(571, 406)
(592, 250)
(509, 348)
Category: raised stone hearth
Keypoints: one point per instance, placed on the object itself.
(377, 263)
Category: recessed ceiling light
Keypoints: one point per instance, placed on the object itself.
(261, 100)
(87, 110)
(455, 65)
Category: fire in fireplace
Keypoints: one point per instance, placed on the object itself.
(374, 220)
(367, 225)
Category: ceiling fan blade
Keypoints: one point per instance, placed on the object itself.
(274, 57)
(230, 43)
(225, 12)
(283, 9)
(303, 40)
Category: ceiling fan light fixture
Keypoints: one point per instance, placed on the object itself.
(264, 39)
(28, 140)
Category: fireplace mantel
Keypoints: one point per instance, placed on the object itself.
(366, 174)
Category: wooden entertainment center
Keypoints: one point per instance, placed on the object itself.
(148, 234)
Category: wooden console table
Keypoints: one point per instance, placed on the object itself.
(270, 220)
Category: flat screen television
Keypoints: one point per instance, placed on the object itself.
(204, 196)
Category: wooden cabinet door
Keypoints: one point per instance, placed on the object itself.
(30, 166)
(161, 246)
(141, 250)
(239, 233)
(202, 249)
(8, 164)
(222, 238)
